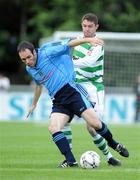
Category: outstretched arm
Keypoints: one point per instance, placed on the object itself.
(91, 57)
(93, 41)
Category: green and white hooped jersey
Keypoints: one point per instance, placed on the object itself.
(89, 64)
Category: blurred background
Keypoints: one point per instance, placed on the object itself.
(40, 21)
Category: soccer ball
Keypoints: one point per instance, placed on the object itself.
(89, 160)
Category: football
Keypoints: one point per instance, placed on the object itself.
(89, 160)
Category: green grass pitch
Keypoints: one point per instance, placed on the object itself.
(28, 153)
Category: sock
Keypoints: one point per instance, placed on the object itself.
(68, 134)
(104, 132)
(63, 145)
(100, 142)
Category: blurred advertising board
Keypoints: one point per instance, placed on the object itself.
(14, 107)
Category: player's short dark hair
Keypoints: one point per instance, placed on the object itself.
(90, 17)
(25, 45)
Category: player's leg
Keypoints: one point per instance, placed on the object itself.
(98, 98)
(84, 109)
(99, 108)
(119, 147)
(57, 122)
(93, 121)
(68, 133)
(78, 104)
(101, 128)
(106, 133)
(99, 141)
(101, 144)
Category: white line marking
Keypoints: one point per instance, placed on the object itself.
(97, 170)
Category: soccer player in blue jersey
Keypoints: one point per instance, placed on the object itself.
(51, 66)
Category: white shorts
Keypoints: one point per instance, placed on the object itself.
(95, 97)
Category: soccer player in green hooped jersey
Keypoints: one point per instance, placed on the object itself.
(89, 65)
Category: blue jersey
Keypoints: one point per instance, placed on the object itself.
(54, 67)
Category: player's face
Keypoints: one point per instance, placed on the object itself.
(89, 28)
(28, 57)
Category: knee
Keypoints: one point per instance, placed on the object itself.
(91, 130)
(53, 128)
(92, 119)
(97, 126)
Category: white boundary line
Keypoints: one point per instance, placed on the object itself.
(97, 170)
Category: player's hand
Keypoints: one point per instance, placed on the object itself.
(30, 111)
(97, 41)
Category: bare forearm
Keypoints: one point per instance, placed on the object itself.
(37, 93)
(92, 41)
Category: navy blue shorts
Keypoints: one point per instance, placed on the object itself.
(70, 101)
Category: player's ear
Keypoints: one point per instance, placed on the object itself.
(97, 26)
(34, 52)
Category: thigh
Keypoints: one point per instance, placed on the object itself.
(57, 121)
(91, 117)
